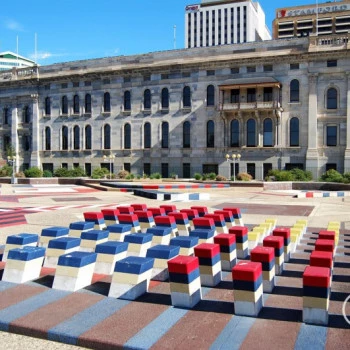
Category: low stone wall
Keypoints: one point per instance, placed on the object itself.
(305, 186)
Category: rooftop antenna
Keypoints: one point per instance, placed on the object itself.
(174, 37)
(316, 17)
(17, 50)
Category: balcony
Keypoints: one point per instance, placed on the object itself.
(250, 106)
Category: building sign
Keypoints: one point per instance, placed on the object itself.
(312, 10)
(192, 8)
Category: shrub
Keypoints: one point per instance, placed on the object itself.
(244, 177)
(155, 176)
(284, 175)
(33, 172)
(77, 172)
(301, 175)
(99, 173)
(205, 177)
(198, 176)
(47, 173)
(5, 171)
(20, 174)
(346, 178)
(130, 177)
(220, 178)
(332, 176)
(123, 174)
(61, 172)
(212, 176)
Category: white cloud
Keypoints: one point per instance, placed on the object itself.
(44, 55)
(13, 25)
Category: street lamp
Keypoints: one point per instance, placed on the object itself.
(12, 162)
(110, 157)
(234, 158)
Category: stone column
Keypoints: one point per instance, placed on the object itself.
(35, 157)
(347, 150)
(312, 152)
(14, 133)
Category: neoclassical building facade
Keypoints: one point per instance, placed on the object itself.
(278, 104)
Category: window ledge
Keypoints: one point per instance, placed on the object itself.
(87, 115)
(186, 109)
(64, 116)
(147, 111)
(106, 114)
(127, 112)
(164, 110)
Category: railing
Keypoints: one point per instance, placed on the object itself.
(329, 41)
(249, 106)
(20, 73)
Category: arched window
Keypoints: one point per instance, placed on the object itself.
(64, 105)
(186, 97)
(106, 102)
(107, 136)
(26, 115)
(76, 137)
(127, 100)
(294, 91)
(76, 107)
(294, 132)
(88, 137)
(165, 98)
(87, 103)
(234, 133)
(47, 106)
(210, 134)
(47, 139)
(64, 138)
(6, 116)
(332, 98)
(147, 135)
(186, 132)
(267, 133)
(210, 95)
(147, 99)
(165, 135)
(127, 136)
(251, 133)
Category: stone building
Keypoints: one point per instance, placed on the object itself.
(278, 104)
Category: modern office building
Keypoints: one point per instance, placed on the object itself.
(317, 18)
(221, 22)
(278, 104)
(8, 60)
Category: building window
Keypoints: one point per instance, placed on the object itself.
(64, 105)
(47, 139)
(210, 72)
(106, 102)
(147, 135)
(251, 133)
(267, 94)
(294, 66)
(165, 98)
(47, 106)
(234, 70)
(186, 132)
(235, 96)
(332, 63)
(76, 107)
(147, 99)
(251, 95)
(210, 134)
(294, 91)
(64, 138)
(107, 136)
(165, 135)
(294, 132)
(251, 69)
(268, 68)
(76, 137)
(147, 168)
(7, 142)
(331, 135)
(127, 100)
(75, 84)
(234, 131)
(332, 98)
(267, 137)
(26, 115)
(88, 137)
(127, 136)
(186, 96)
(87, 103)
(210, 95)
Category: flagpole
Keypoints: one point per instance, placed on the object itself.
(316, 17)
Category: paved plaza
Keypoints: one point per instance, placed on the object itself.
(89, 318)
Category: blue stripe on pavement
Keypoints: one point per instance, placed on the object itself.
(6, 285)
(311, 334)
(69, 331)
(234, 333)
(156, 329)
(27, 306)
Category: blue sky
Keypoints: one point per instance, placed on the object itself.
(69, 30)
